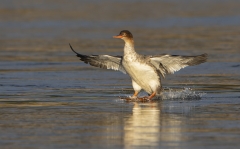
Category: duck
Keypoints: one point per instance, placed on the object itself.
(145, 71)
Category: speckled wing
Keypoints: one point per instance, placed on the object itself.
(102, 61)
(168, 64)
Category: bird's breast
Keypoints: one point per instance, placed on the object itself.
(142, 74)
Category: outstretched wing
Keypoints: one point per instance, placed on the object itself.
(102, 61)
(168, 64)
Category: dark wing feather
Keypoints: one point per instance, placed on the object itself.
(168, 64)
(102, 61)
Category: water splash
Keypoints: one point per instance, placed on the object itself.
(168, 94)
(184, 94)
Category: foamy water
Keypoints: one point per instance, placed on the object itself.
(182, 94)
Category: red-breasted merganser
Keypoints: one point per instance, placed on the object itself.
(145, 71)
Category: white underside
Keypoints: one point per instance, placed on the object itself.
(143, 76)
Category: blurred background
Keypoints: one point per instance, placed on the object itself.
(49, 99)
(40, 30)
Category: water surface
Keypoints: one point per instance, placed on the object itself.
(49, 99)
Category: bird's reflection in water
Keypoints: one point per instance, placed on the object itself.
(149, 127)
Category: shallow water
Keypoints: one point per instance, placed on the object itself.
(49, 99)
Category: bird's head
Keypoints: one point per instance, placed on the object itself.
(125, 35)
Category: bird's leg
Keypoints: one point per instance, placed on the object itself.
(142, 99)
(151, 96)
(135, 94)
(133, 97)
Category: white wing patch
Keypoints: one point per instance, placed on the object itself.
(110, 62)
(102, 61)
(168, 64)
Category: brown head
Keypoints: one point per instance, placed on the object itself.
(125, 35)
